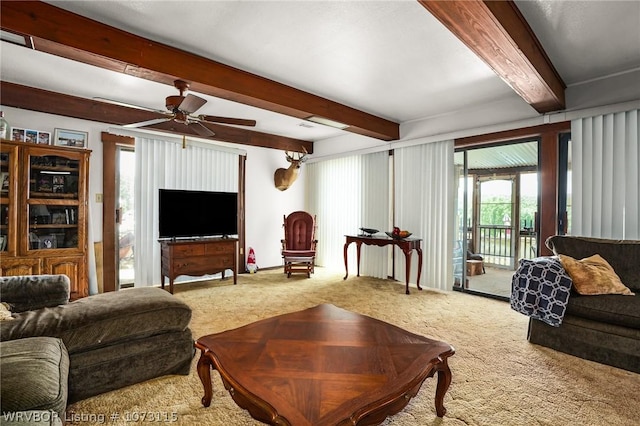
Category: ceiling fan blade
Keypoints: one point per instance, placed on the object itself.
(201, 129)
(191, 103)
(227, 120)
(125, 104)
(148, 122)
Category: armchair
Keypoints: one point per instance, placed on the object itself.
(299, 243)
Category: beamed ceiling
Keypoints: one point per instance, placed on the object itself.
(495, 32)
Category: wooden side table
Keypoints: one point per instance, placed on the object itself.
(407, 245)
(474, 267)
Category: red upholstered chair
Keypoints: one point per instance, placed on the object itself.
(299, 244)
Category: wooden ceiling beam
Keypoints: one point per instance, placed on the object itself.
(72, 36)
(498, 33)
(18, 96)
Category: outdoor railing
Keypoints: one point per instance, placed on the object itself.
(495, 245)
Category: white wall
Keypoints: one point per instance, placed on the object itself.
(612, 94)
(265, 205)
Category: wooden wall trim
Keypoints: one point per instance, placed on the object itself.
(548, 216)
(109, 169)
(509, 135)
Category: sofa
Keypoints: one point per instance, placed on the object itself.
(34, 375)
(112, 339)
(604, 328)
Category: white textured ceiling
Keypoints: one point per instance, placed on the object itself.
(388, 58)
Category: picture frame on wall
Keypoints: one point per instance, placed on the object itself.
(44, 138)
(31, 136)
(73, 138)
(17, 134)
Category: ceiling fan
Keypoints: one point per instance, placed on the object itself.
(180, 109)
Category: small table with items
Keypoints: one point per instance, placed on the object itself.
(407, 245)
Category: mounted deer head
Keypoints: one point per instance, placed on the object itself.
(284, 178)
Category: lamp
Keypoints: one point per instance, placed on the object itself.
(39, 212)
(327, 122)
(16, 38)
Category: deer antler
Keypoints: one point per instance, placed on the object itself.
(301, 157)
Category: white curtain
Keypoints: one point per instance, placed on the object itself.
(605, 179)
(424, 185)
(165, 164)
(346, 194)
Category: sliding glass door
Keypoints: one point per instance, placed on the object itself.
(125, 217)
(497, 199)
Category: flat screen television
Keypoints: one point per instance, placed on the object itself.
(192, 214)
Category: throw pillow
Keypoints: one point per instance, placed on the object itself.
(593, 275)
(5, 313)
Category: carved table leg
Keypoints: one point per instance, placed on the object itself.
(346, 267)
(358, 245)
(407, 256)
(444, 380)
(204, 372)
(419, 250)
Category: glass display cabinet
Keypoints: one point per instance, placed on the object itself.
(8, 173)
(44, 212)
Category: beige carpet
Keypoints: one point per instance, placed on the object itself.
(498, 377)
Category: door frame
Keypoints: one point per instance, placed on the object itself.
(109, 203)
(549, 135)
(110, 145)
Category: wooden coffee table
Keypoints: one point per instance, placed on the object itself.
(323, 366)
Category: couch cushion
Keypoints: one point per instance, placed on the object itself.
(608, 308)
(593, 275)
(30, 292)
(622, 255)
(34, 374)
(103, 319)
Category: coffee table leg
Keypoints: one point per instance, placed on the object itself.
(204, 372)
(444, 380)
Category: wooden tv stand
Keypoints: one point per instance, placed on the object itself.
(196, 257)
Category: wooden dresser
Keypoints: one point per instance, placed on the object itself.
(198, 257)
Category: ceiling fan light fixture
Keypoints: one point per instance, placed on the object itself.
(327, 122)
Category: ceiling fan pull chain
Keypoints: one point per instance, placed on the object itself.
(184, 142)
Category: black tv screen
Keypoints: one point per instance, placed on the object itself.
(190, 214)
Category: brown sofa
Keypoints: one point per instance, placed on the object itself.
(602, 328)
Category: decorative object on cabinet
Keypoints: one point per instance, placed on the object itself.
(44, 220)
(4, 180)
(44, 138)
(17, 134)
(31, 136)
(74, 138)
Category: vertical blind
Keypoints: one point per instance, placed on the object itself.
(605, 179)
(346, 194)
(424, 184)
(164, 164)
(353, 192)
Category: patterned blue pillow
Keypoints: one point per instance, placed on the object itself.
(540, 288)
